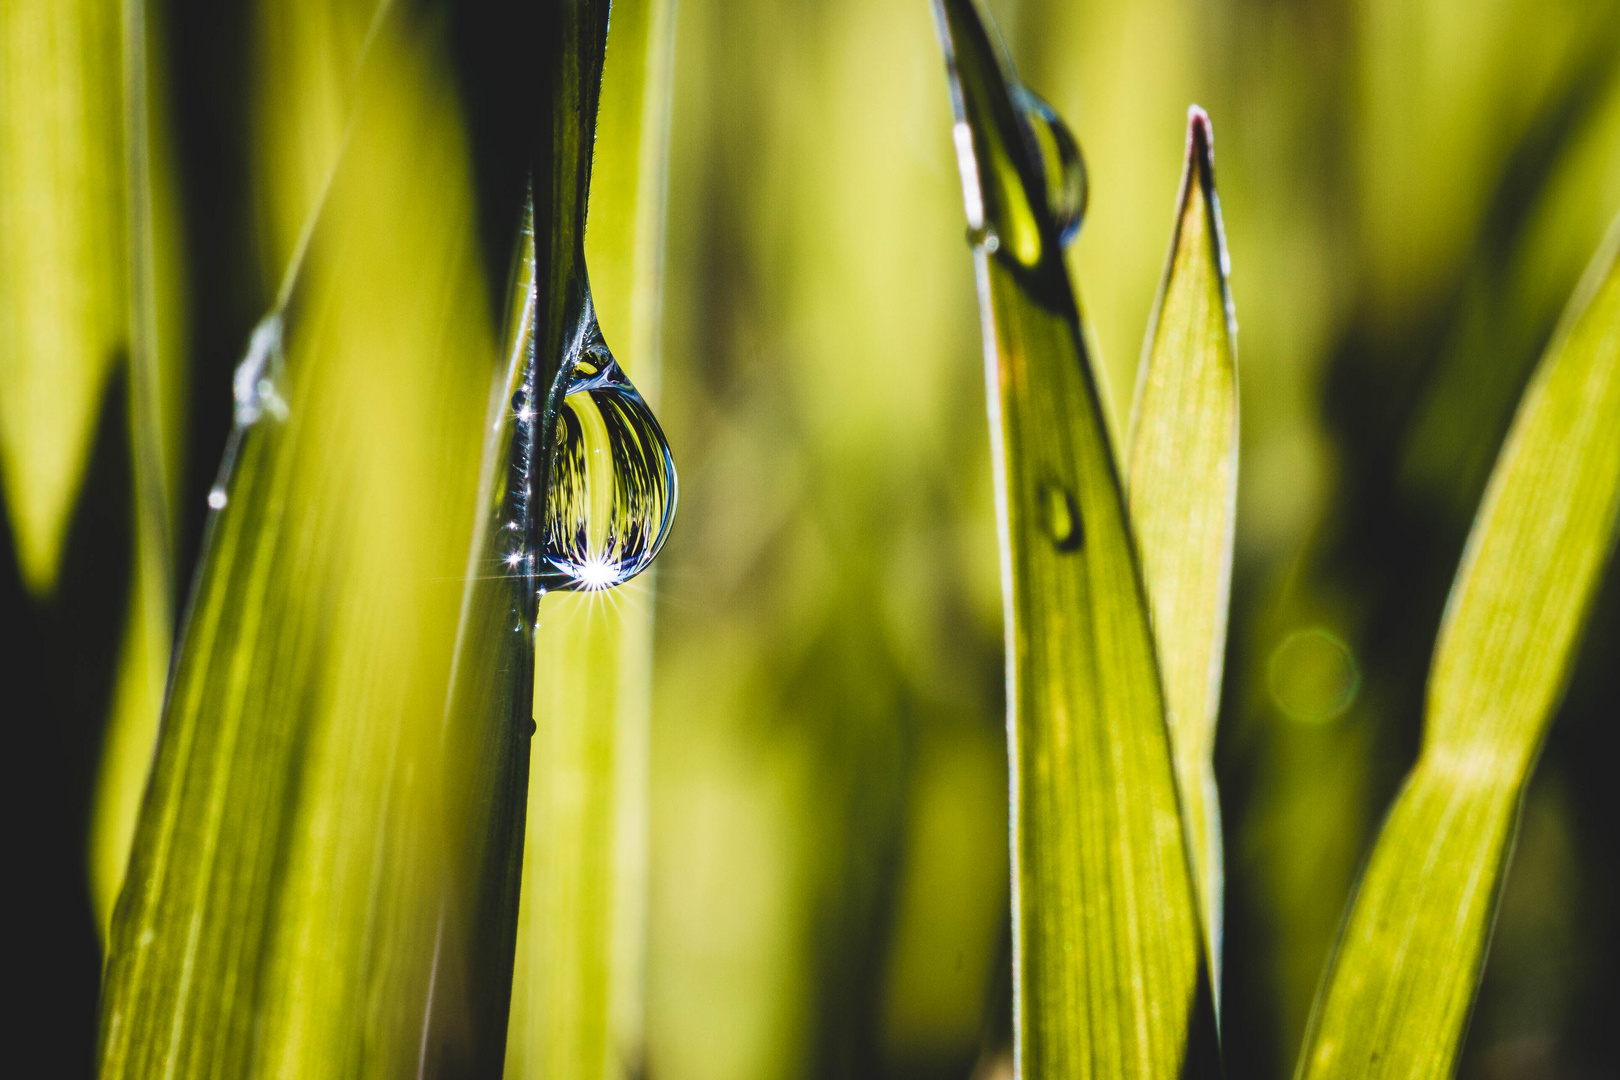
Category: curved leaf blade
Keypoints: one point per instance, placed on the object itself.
(1397, 993)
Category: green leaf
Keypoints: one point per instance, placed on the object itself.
(63, 316)
(1183, 497)
(1109, 979)
(155, 354)
(1398, 990)
(576, 995)
(284, 911)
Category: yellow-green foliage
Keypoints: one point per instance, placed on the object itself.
(577, 987)
(284, 877)
(63, 319)
(1183, 499)
(1107, 950)
(156, 371)
(1404, 975)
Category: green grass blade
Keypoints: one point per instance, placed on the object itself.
(156, 382)
(1183, 497)
(63, 319)
(1106, 929)
(1398, 991)
(577, 989)
(282, 912)
(307, 59)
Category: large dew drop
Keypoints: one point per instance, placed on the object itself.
(613, 489)
(1064, 166)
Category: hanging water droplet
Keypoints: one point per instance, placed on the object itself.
(1064, 167)
(613, 485)
(985, 237)
(1061, 516)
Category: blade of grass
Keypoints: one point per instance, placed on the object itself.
(577, 988)
(283, 908)
(1108, 977)
(63, 319)
(307, 59)
(552, 315)
(1183, 498)
(156, 381)
(1397, 992)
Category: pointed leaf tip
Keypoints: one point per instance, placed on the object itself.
(1201, 140)
(1182, 485)
(1201, 164)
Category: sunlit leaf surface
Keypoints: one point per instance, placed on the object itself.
(1106, 929)
(1400, 986)
(1183, 497)
(63, 315)
(284, 912)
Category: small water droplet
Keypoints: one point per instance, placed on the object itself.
(217, 498)
(1066, 185)
(986, 238)
(519, 399)
(255, 382)
(613, 486)
(1061, 516)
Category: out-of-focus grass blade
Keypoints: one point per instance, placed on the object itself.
(577, 988)
(63, 317)
(1183, 497)
(307, 63)
(284, 908)
(1107, 949)
(1398, 990)
(156, 381)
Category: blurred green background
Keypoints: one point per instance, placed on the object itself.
(1410, 191)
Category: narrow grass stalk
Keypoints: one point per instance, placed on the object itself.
(1397, 993)
(1108, 975)
(577, 989)
(1183, 499)
(156, 379)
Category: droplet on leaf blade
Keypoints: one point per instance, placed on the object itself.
(1064, 167)
(1061, 516)
(613, 486)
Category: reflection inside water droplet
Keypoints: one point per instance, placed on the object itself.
(1061, 516)
(613, 487)
(1062, 164)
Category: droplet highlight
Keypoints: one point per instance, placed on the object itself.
(613, 486)
(256, 383)
(1064, 167)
